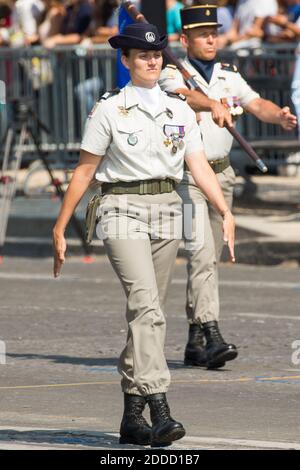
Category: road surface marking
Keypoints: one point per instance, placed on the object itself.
(179, 281)
(178, 381)
(268, 315)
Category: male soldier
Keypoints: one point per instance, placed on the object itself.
(226, 91)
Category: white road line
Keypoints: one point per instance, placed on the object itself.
(59, 309)
(241, 443)
(253, 284)
(179, 281)
(268, 315)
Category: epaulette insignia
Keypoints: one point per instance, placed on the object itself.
(179, 96)
(229, 67)
(171, 71)
(110, 93)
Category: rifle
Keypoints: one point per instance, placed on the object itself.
(191, 82)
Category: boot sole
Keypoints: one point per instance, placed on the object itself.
(224, 357)
(131, 440)
(190, 362)
(168, 438)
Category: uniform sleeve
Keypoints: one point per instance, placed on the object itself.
(171, 79)
(97, 132)
(244, 91)
(193, 138)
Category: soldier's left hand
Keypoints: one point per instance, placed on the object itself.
(229, 233)
(287, 120)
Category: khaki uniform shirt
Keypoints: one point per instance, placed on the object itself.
(133, 142)
(224, 84)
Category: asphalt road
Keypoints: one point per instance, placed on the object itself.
(59, 387)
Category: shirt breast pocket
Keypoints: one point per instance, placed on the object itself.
(130, 136)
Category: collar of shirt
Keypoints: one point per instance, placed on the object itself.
(134, 96)
(204, 67)
(150, 98)
(217, 74)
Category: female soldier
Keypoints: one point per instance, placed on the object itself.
(136, 141)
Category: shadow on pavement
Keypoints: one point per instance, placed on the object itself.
(64, 437)
(100, 362)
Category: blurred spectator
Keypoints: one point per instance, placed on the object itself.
(225, 18)
(75, 23)
(21, 24)
(293, 9)
(248, 24)
(52, 20)
(6, 8)
(291, 30)
(284, 21)
(104, 23)
(173, 19)
(26, 16)
(225, 14)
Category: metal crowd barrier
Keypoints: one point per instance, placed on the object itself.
(64, 84)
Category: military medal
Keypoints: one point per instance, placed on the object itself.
(132, 139)
(175, 136)
(238, 110)
(233, 104)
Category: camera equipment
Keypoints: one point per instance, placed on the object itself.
(25, 123)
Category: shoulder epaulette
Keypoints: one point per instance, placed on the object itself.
(110, 93)
(171, 66)
(229, 67)
(179, 96)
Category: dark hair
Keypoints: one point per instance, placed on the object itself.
(103, 10)
(126, 52)
(6, 9)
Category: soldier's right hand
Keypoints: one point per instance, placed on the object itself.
(220, 114)
(59, 249)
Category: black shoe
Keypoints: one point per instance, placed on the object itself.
(195, 351)
(134, 428)
(165, 429)
(217, 350)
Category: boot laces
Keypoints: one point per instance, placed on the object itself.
(215, 335)
(161, 409)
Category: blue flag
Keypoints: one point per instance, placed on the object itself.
(123, 76)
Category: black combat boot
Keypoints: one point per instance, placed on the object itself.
(195, 354)
(217, 350)
(195, 351)
(165, 429)
(134, 428)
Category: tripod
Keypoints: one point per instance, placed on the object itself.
(22, 112)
